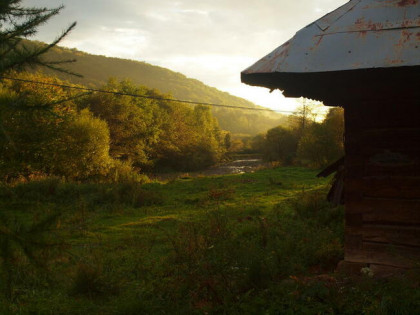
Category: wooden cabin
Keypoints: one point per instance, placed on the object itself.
(365, 57)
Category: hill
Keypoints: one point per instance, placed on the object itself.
(96, 70)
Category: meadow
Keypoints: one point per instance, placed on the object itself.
(259, 243)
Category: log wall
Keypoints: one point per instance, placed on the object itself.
(382, 183)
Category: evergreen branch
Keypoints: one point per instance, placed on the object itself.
(28, 28)
(52, 67)
(59, 62)
(11, 47)
(57, 40)
(18, 11)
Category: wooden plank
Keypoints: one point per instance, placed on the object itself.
(383, 254)
(396, 170)
(399, 153)
(407, 217)
(386, 211)
(392, 114)
(353, 241)
(353, 219)
(383, 136)
(388, 234)
(386, 144)
(357, 172)
(359, 148)
(362, 142)
(370, 164)
(352, 196)
(398, 187)
(400, 212)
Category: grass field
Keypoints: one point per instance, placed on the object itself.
(260, 243)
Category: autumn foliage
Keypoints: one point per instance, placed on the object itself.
(52, 130)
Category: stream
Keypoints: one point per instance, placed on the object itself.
(238, 166)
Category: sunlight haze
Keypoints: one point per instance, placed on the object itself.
(212, 41)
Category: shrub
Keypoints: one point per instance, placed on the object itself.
(123, 172)
(83, 149)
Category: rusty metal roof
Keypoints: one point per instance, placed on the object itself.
(361, 35)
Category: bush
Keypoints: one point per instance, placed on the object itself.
(123, 172)
(83, 149)
(44, 134)
(280, 145)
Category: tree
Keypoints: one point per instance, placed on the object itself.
(190, 139)
(83, 148)
(335, 125)
(132, 122)
(209, 147)
(18, 23)
(280, 145)
(258, 143)
(49, 139)
(304, 116)
(322, 143)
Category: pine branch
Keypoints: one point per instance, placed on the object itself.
(24, 23)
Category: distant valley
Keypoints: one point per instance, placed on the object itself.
(96, 70)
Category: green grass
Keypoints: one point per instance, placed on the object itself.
(260, 243)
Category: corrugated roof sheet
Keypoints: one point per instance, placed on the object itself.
(360, 35)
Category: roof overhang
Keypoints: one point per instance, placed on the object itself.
(365, 46)
(338, 88)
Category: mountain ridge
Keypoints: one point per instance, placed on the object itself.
(97, 69)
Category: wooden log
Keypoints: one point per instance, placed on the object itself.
(353, 218)
(383, 254)
(375, 164)
(404, 214)
(402, 153)
(392, 114)
(388, 234)
(382, 137)
(390, 187)
(396, 170)
(391, 152)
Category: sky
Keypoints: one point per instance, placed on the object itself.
(208, 40)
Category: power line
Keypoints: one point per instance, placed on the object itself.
(143, 96)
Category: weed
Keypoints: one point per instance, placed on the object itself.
(40, 190)
(28, 244)
(274, 181)
(88, 281)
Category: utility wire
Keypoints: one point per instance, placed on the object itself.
(143, 96)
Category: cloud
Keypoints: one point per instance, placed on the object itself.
(212, 41)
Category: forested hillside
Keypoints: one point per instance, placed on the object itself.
(96, 70)
(54, 131)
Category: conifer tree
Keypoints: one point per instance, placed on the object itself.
(18, 23)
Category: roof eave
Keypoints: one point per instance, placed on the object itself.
(336, 88)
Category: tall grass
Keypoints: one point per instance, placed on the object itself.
(225, 245)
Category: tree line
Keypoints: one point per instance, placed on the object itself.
(304, 140)
(95, 71)
(51, 130)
